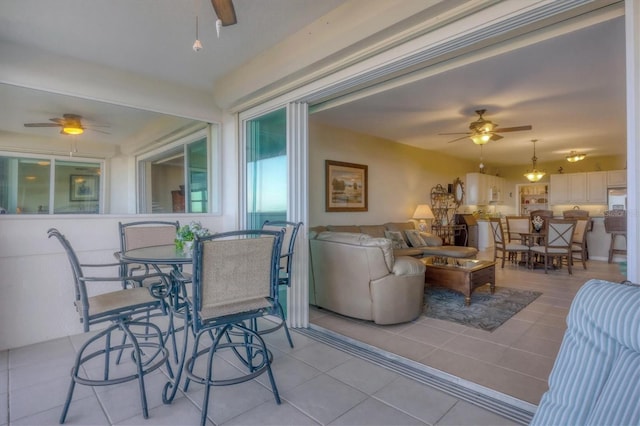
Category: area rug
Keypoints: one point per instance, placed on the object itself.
(487, 311)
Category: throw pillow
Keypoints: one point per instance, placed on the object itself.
(396, 239)
(414, 237)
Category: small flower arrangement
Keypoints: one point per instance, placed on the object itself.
(537, 223)
(187, 233)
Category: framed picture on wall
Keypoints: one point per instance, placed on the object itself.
(83, 188)
(346, 187)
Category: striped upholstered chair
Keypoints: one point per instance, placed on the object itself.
(595, 377)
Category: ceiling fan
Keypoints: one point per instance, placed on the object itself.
(225, 12)
(482, 130)
(70, 124)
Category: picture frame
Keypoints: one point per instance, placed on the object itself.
(83, 187)
(346, 187)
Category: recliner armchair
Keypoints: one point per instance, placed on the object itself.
(358, 276)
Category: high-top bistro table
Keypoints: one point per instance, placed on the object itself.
(163, 255)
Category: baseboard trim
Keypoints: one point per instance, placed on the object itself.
(505, 405)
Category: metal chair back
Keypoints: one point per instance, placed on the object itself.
(234, 273)
(288, 243)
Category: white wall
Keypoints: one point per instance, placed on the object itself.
(400, 176)
(35, 277)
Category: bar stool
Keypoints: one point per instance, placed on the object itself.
(615, 223)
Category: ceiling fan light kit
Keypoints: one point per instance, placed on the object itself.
(574, 157)
(534, 175)
(72, 130)
(483, 131)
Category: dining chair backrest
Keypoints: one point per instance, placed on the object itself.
(580, 231)
(517, 225)
(135, 235)
(231, 269)
(496, 229)
(575, 213)
(559, 233)
(288, 242)
(80, 289)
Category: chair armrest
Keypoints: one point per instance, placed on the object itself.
(405, 265)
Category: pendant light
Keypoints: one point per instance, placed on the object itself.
(534, 175)
(574, 157)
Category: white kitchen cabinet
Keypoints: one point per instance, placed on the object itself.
(484, 189)
(577, 188)
(597, 187)
(616, 178)
(568, 188)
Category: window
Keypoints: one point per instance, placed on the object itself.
(44, 185)
(175, 178)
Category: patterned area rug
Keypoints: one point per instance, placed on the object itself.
(487, 311)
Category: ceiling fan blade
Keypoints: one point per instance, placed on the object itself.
(225, 11)
(513, 129)
(98, 131)
(495, 137)
(41, 125)
(455, 133)
(458, 139)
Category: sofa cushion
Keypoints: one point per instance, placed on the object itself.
(397, 239)
(344, 228)
(415, 240)
(375, 231)
(399, 226)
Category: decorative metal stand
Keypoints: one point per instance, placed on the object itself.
(444, 205)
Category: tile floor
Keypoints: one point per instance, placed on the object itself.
(514, 359)
(318, 384)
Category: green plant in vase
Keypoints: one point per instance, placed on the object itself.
(187, 233)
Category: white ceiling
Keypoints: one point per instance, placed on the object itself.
(571, 89)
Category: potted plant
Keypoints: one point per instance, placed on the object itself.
(187, 233)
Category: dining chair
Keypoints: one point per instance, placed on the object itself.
(286, 262)
(558, 237)
(517, 225)
(146, 233)
(125, 311)
(615, 224)
(500, 245)
(235, 282)
(579, 242)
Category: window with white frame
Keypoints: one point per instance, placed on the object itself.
(176, 177)
(48, 185)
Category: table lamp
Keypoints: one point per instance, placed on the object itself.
(422, 213)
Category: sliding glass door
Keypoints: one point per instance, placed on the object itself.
(266, 168)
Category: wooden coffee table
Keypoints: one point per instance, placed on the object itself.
(461, 275)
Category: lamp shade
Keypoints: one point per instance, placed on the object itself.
(423, 211)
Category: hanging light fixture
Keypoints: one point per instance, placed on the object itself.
(480, 138)
(197, 46)
(534, 175)
(575, 156)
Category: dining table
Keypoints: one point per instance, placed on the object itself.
(531, 239)
(166, 255)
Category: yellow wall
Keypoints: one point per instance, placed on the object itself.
(400, 176)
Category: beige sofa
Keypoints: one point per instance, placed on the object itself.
(359, 276)
(434, 245)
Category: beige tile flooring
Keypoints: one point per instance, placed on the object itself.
(318, 384)
(514, 359)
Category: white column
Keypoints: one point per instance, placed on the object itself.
(632, 42)
(297, 210)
